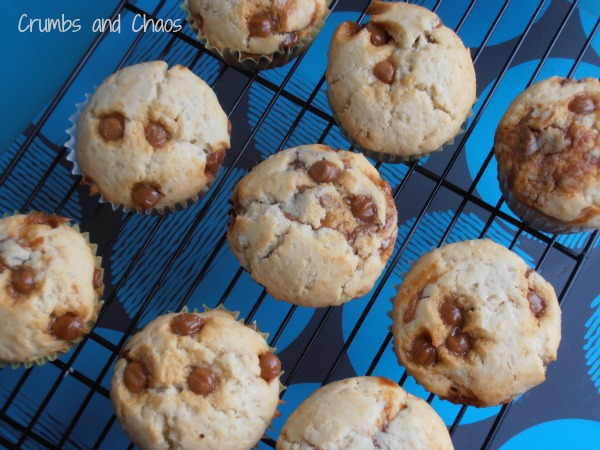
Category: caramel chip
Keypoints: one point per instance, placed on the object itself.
(411, 309)
(67, 327)
(423, 352)
(112, 127)
(145, 195)
(351, 28)
(451, 313)
(202, 381)
(323, 171)
(260, 25)
(458, 343)
(135, 377)
(186, 324)
(22, 279)
(270, 366)
(156, 134)
(214, 162)
(384, 71)
(379, 36)
(364, 208)
(582, 104)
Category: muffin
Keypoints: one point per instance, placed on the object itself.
(474, 325)
(402, 85)
(314, 226)
(257, 34)
(50, 285)
(363, 413)
(152, 137)
(196, 380)
(547, 146)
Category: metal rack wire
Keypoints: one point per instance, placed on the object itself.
(26, 432)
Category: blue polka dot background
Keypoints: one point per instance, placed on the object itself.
(158, 264)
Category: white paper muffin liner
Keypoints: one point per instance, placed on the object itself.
(89, 324)
(389, 157)
(534, 218)
(71, 146)
(248, 62)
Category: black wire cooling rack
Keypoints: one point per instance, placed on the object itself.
(442, 199)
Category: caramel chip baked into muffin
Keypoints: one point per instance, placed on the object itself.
(50, 284)
(313, 225)
(152, 137)
(402, 85)
(196, 380)
(364, 413)
(548, 150)
(256, 34)
(474, 324)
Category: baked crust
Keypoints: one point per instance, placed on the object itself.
(418, 99)
(227, 23)
(548, 150)
(48, 272)
(474, 324)
(171, 137)
(313, 243)
(166, 412)
(363, 412)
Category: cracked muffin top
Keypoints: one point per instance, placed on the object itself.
(50, 284)
(260, 27)
(364, 413)
(196, 380)
(313, 225)
(401, 85)
(474, 324)
(152, 137)
(548, 150)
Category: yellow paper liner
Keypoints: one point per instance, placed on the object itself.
(245, 61)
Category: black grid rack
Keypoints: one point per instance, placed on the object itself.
(437, 175)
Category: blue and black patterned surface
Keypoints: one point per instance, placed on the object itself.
(155, 264)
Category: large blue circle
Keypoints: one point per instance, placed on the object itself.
(558, 434)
